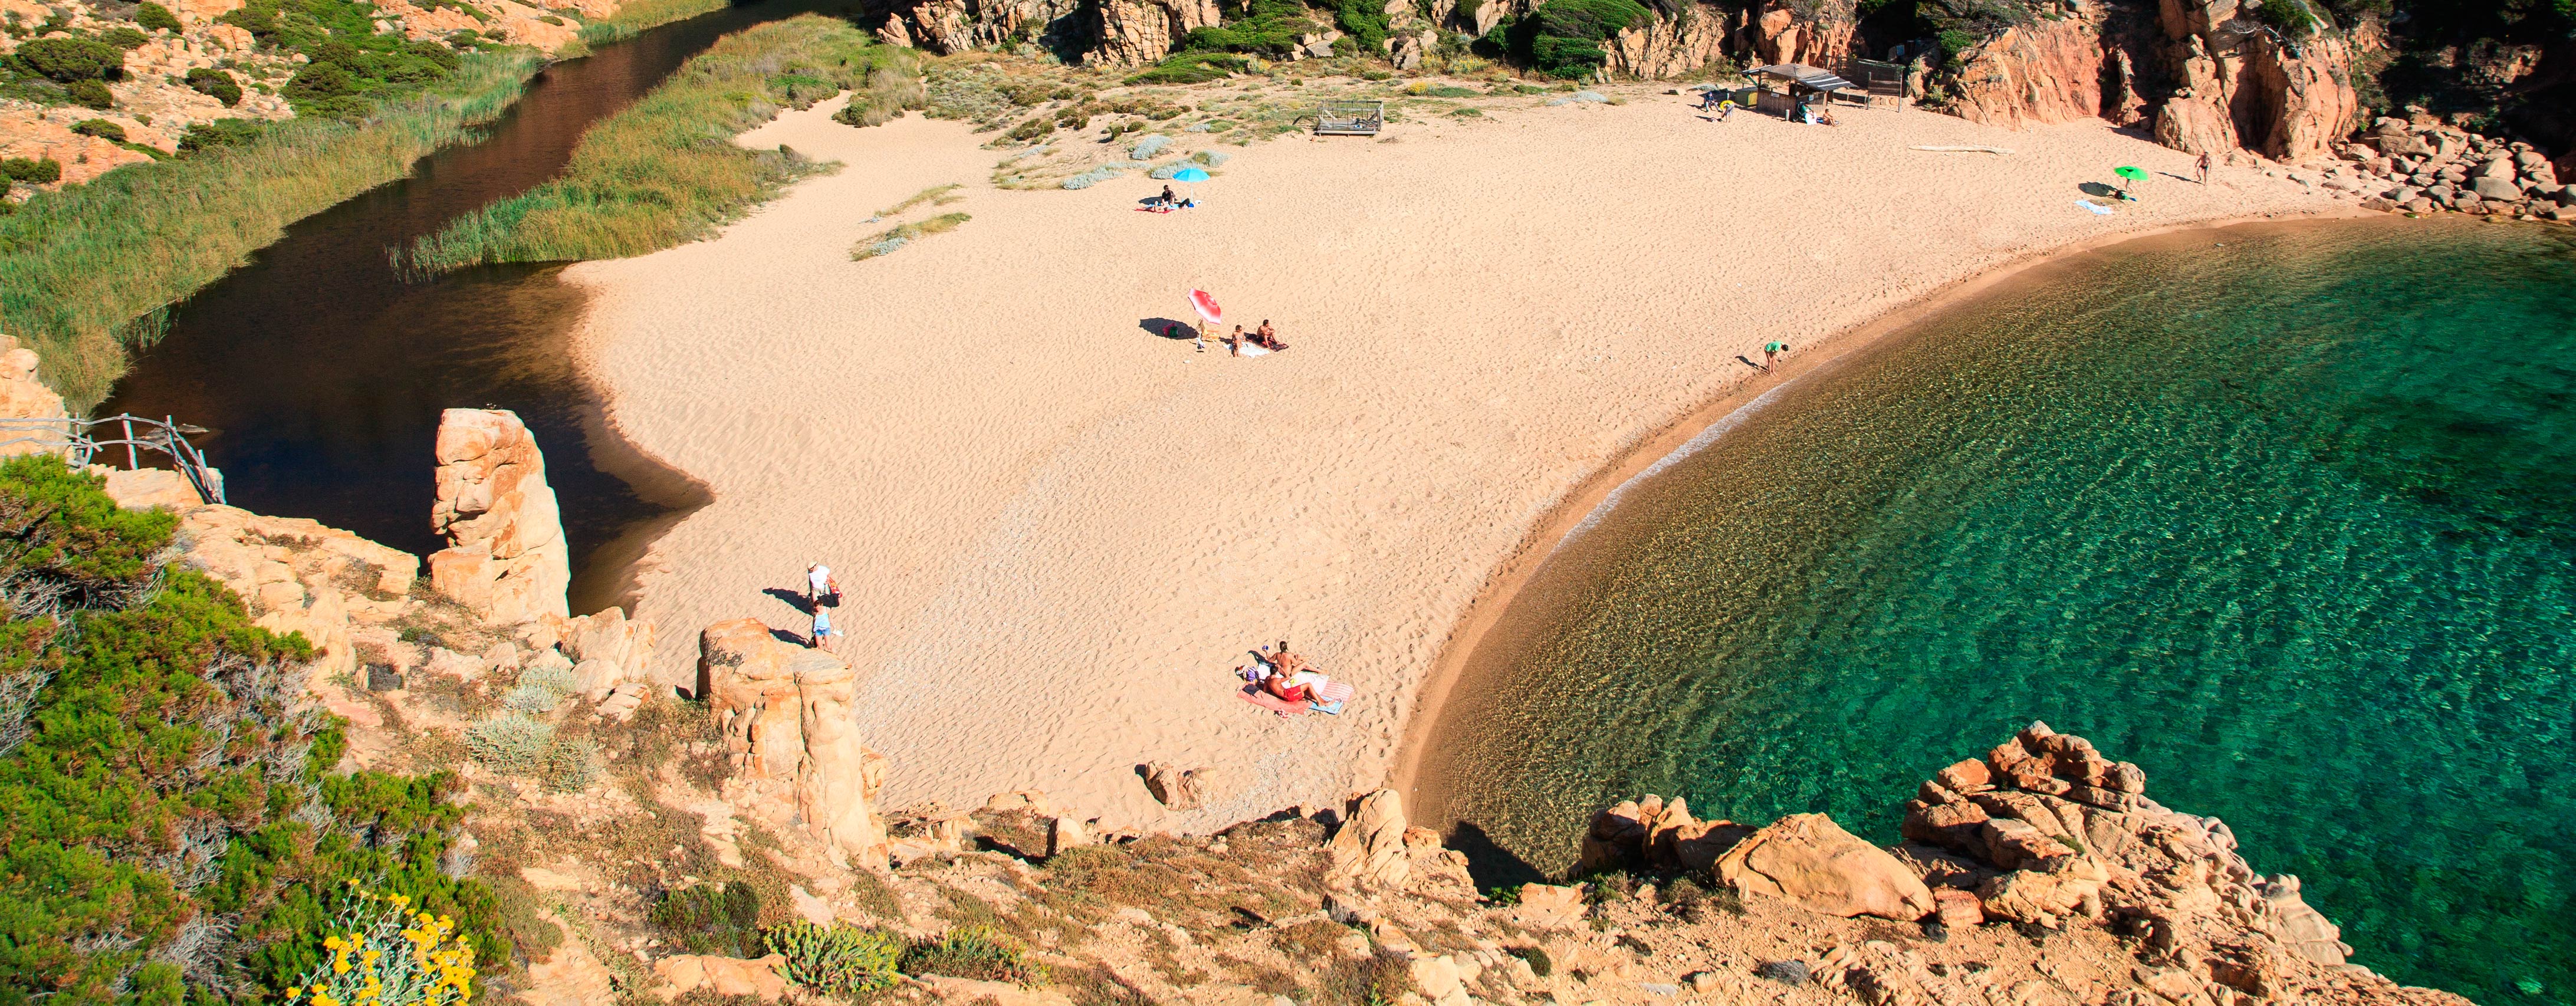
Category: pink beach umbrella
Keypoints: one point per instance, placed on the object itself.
(1205, 305)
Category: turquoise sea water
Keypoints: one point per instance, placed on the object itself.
(2285, 515)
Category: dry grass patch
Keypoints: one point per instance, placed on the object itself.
(893, 238)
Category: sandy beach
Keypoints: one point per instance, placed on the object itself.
(1058, 531)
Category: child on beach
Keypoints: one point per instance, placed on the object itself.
(1771, 351)
(823, 631)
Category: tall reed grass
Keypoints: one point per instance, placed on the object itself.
(665, 170)
(86, 271)
(636, 15)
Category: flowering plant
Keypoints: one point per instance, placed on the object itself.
(384, 953)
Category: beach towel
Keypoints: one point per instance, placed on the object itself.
(2097, 208)
(1252, 350)
(1334, 692)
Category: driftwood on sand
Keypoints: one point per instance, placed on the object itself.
(1966, 150)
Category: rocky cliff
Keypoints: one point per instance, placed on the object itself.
(506, 558)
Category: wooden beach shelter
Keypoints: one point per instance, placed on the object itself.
(1798, 81)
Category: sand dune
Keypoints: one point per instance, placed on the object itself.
(1059, 531)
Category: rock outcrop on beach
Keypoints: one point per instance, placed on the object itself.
(506, 559)
(785, 714)
(2420, 165)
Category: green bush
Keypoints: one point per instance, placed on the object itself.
(712, 919)
(510, 743)
(974, 952)
(571, 764)
(175, 823)
(1562, 38)
(154, 17)
(842, 960)
(36, 170)
(1265, 26)
(1037, 126)
(215, 84)
(1189, 68)
(1955, 41)
(67, 58)
(2293, 18)
(1363, 24)
(100, 128)
(91, 93)
(219, 133)
(124, 38)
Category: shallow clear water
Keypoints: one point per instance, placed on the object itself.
(2285, 515)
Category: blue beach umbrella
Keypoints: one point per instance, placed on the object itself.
(1191, 175)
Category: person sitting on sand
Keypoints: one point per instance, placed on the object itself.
(1166, 200)
(1285, 687)
(1824, 117)
(1234, 343)
(1269, 339)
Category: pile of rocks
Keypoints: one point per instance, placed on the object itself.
(2428, 167)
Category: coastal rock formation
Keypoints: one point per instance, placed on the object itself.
(2043, 72)
(22, 395)
(1136, 32)
(1810, 861)
(1781, 34)
(785, 713)
(1368, 852)
(2045, 829)
(1655, 835)
(683, 974)
(299, 576)
(2251, 89)
(506, 560)
(2425, 167)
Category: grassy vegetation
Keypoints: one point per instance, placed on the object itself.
(937, 195)
(170, 822)
(664, 171)
(905, 234)
(80, 267)
(1562, 38)
(636, 15)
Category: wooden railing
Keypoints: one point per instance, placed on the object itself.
(98, 441)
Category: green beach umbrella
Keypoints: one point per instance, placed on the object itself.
(2130, 173)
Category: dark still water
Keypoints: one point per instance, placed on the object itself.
(322, 373)
(2286, 515)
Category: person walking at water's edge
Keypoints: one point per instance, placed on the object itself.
(2202, 169)
(1771, 351)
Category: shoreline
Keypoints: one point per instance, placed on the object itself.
(997, 504)
(1596, 499)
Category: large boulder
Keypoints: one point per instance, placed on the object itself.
(683, 974)
(1368, 852)
(1810, 861)
(786, 714)
(506, 558)
(296, 575)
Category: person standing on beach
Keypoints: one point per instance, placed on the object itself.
(2204, 167)
(820, 585)
(1771, 351)
(823, 631)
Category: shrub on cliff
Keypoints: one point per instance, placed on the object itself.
(35, 170)
(841, 960)
(974, 952)
(92, 93)
(215, 84)
(168, 819)
(1562, 38)
(67, 58)
(719, 919)
(100, 128)
(1263, 26)
(154, 17)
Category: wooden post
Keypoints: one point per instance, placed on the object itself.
(128, 420)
